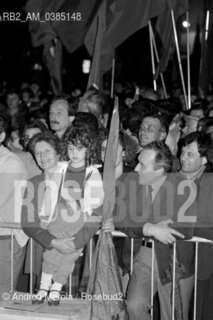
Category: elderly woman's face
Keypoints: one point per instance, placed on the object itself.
(46, 156)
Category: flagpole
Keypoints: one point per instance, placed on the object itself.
(152, 57)
(112, 78)
(95, 73)
(203, 49)
(158, 60)
(179, 59)
(188, 61)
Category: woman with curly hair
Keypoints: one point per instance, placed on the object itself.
(73, 191)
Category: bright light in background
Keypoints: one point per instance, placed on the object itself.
(37, 66)
(186, 24)
(86, 66)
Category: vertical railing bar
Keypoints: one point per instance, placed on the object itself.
(12, 262)
(70, 285)
(195, 281)
(173, 281)
(131, 257)
(90, 253)
(152, 279)
(31, 266)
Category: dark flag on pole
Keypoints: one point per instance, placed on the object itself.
(42, 33)
(61, 22)
(52, 56)
(104, 284)
(95, 77)
(165, 30)
(118, 20)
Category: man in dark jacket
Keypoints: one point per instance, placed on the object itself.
(196, 158)
(148, 213)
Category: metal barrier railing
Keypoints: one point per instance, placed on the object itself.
(12, 226)
(196, 240)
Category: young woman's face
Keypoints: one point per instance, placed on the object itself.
(77, 155)
(46, 156)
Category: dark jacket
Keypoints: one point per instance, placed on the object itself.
(130, 218)
(204, 225)
(31, 222)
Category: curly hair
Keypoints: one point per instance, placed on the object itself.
(80, 138)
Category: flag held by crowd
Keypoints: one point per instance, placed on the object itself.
(104, 285)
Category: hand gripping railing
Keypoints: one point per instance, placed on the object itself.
(196, 240)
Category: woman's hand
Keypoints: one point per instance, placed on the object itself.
(64, 246)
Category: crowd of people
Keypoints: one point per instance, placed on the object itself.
(52, 153)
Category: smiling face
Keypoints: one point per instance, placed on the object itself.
(46, 156)
(191, 160)
(59, 117)
(77, 155)
(145, 168)
(150, 130)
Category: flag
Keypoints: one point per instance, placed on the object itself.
(110, 163)
(94, 75)
(52, 56)
(104, 285)
(42, 33)
(62, 22)
(80, 14)
(119, 20)
(165, 30)
(67, 20)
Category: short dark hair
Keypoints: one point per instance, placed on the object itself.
(204, 143)
(47, 137)
(132, 120)
(162, 119)
(70, 103)
(163, 156)
(86, 121)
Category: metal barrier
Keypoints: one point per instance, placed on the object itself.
(196, 240)
(18, 226)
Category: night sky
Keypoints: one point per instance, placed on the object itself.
(17, 56)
